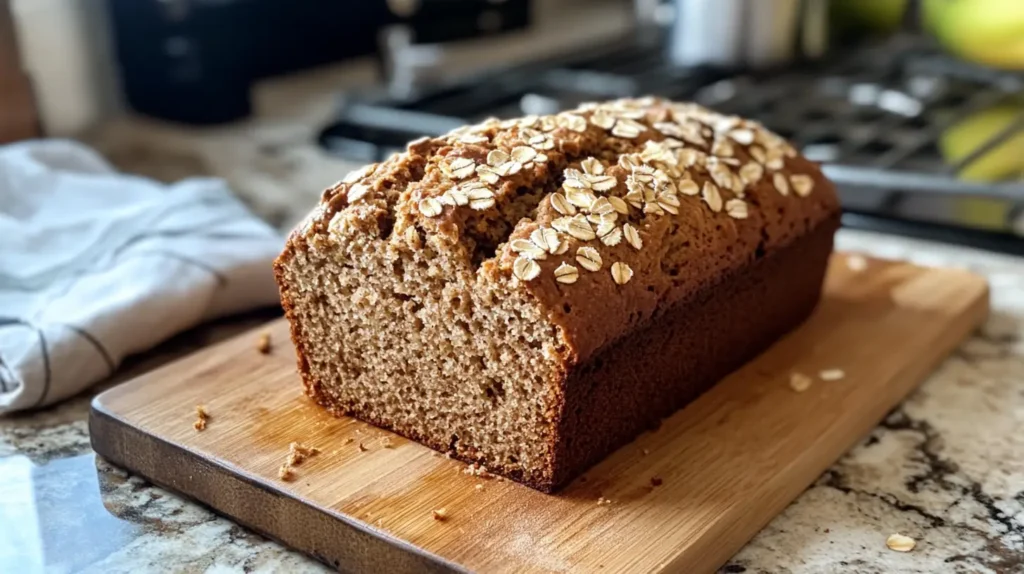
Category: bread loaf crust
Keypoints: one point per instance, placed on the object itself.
(610, 217)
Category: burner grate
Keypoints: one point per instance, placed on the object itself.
(873, 116)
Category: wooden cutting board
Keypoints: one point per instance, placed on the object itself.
(727, 464)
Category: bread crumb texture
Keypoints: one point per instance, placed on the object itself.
(263, 343)
(447, 292)
(286, 473)
(800, 382)
(201, 418)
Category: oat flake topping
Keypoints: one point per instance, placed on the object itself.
(604, 199)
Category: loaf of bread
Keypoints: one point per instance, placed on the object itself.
(531, 294)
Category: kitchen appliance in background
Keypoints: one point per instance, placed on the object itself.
(194, 61)
(900, 124)
(17, 109)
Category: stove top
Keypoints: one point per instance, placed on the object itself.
(873, 117)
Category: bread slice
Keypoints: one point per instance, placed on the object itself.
(531, 294)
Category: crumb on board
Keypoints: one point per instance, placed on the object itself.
(263, 343)
(362, 447)
(832, 374)
(656, 481)
(350, 440)
(856, 263)
(799, 382)
(646, 451)
(297, 453)
(441, 514)
(602, 501)
(478, 470)
(900, 543)
(479, 486)
(286, 473)
(201, 418)
(386, 442)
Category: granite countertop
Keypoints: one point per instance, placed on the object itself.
(945, 467)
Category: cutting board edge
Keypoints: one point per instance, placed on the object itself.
(110, 428)
(974, 316)
(113, 438)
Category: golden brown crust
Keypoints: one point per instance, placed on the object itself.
(611, 217)
(648, 243)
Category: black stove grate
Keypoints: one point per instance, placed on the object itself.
(873, 116)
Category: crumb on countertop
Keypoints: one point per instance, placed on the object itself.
(900, 543)
(602, 501)
(479, 486)
(263, 343)
(441, 514)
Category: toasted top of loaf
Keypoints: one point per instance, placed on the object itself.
(604, 214)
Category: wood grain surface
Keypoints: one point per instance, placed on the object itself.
(684, 498)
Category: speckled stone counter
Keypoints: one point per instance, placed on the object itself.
(946, 467)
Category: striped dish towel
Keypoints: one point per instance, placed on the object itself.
(96, 265)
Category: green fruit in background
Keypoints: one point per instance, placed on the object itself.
(1006, 161)
(990, 32)
(878, 16)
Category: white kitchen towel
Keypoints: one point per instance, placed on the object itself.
(96, 265)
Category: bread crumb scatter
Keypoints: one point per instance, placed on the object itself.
(602, 501)
(832, 375)
(856, 263)
(350, 440)
(900, 543)
(201, 418)
(297, 453)
(477, 470)
(799, 382)
(479, 487)
(286, 473)
(386, 442)
(441, 514)
(263, 343)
